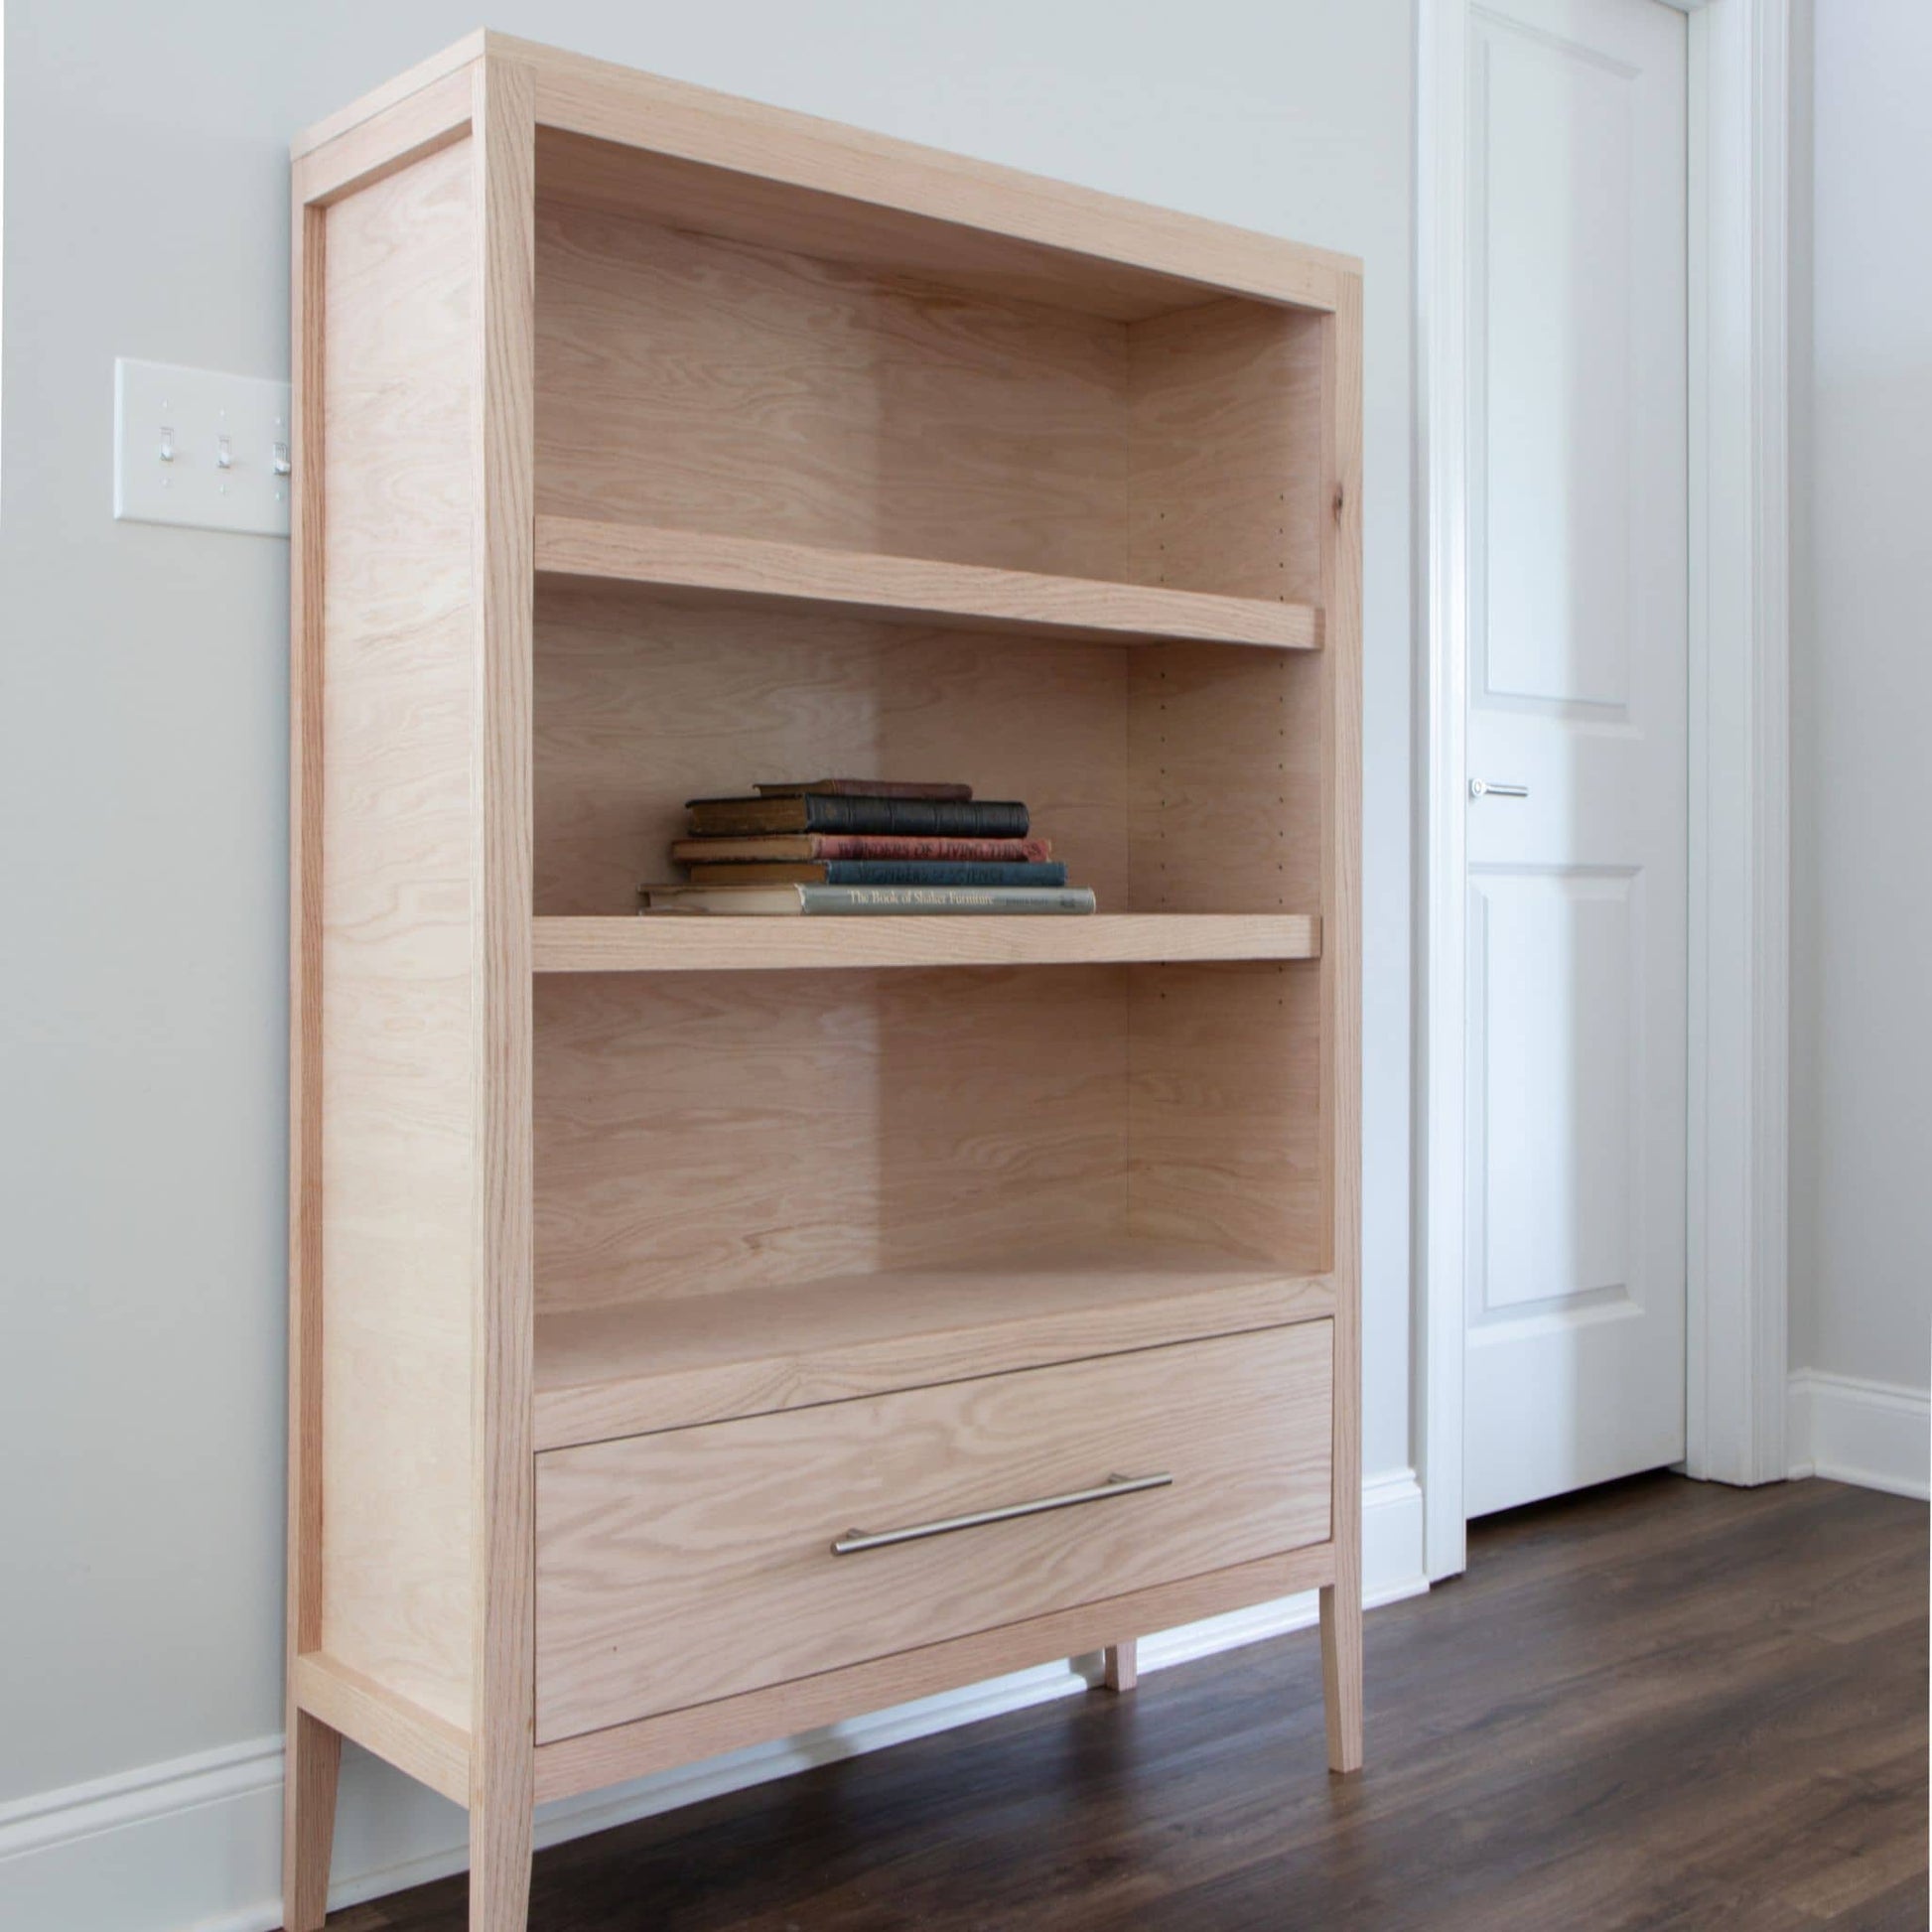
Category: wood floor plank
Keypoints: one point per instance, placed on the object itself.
(1660, 1706)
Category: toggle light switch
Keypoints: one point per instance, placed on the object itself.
(200, 447)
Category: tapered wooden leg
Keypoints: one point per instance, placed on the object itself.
(311, 1765)
(1342, 1675)
(1123, 1665)
(499, 1867)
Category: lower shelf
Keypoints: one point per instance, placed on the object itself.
(674, 943)
(644, 1365)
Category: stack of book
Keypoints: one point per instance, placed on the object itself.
(865, 845)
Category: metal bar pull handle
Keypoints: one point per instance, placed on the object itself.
(853, 1541)
(1482, 788)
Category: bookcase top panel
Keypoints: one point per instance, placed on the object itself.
(621, 140)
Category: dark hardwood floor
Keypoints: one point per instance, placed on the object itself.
(1662, 1704)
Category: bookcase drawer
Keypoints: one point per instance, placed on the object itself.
(690, 1565)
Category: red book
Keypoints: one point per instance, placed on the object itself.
(777, 847)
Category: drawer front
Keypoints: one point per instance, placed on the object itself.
(677, 1568)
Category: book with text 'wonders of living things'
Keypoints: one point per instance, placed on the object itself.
(957, 818)
(847, 900)
(875, 872)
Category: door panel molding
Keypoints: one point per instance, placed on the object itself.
(1740, 914)
(1616, 1052)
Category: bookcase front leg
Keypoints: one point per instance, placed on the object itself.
(1121, 1665)
(311, 1768)
(1342, 1675)
(499, 1863)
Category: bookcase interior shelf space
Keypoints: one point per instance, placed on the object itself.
(1173, 778)
(817, 495)
(701, 1130)
(770, 369)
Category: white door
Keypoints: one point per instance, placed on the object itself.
(1577, 882)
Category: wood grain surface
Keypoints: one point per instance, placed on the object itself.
(578, 171)
(713, 943)
(669, 1362)
(619, 1751)
(1091, 232)
(702, 567)
(1339, 974)
(684, 1566)
(313, 1751)
(641, 706)
(502, 1792)
(700, 1132)
(398, 927)
(1224, 435)
(1222, 1133)
(706, 386)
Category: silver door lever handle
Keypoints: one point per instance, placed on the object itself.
(1482, 788)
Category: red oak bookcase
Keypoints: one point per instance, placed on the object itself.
(648, 442)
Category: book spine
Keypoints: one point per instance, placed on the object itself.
(1012, 852)
(945, 899)
(861, 788)
(977, 818)
(936, 871)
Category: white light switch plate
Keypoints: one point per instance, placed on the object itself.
(170, 426)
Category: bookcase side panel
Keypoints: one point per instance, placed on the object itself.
(1224, 442)
(1222, 1113)
(1225, 779)
(399, 732)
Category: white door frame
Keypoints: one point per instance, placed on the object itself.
(1739, 900)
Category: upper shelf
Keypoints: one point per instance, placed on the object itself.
(692, 564)
(672, 942)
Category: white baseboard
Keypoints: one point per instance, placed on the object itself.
(194, 1844)
(1873, 1433)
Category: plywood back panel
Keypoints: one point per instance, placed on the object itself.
(641, 704)
(1224, 1102)
(1224, 451)
(714, 385)
(700, 1132)
(398, 690)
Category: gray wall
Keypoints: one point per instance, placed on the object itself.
(143, 711)
(1861, 693)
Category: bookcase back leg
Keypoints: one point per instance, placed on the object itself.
(309, 1780)
(1122, 1665)
(1342, 1675)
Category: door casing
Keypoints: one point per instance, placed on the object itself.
(1739, 636)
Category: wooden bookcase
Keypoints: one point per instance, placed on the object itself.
(651, 441)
